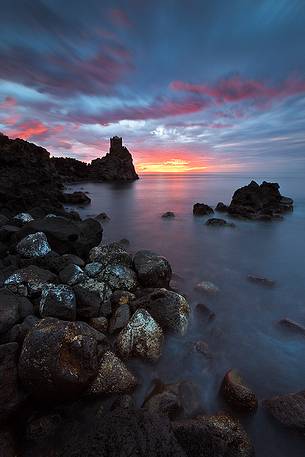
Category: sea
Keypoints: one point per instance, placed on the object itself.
(245, 334)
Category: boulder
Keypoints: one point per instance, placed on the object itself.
(75, 198)
(92, 299)
(71, 258)
(72, 275)
(142, 337)
(19, 331)
(221, 207)
(152, 269)
(169, 309)
(22, 218)
(201, 209)
(102, 217)
(213, 436)
(58, 301)
(204, 312)
(29, 281)
(168, 215)
(118, 277)
(13, 309)
(58, 359)
(10, 396)
(99, 323)
(34, 245)
(216, 222)
(207, 287)
(93, 269)
(122, 297)
(236, 393)
(111, 253)
(113, 377)
(289, 410)
(120, 318)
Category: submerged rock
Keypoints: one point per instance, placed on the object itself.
(261, 281)
(289, 410)
(113, 377)
(29, 280)
(141, 337)
(58, 359)
(58, 301)
(152, 269)
(201, 209)
(168, 215)
(35, 245)
(207, 287)
(205, 312)
(216, 222)
(293, 326)
(236, 393)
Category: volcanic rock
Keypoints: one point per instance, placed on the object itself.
(216, 222)
(201, 209)
(92, 299)
(120, 318)
(13, 309)
(72, 275)
(236, 393)
(221, 207)
(112, 253)
(207, 287)
(168, 215)
(262, 281)
(29, 280)
(58, 301)
(118, 277)
(152, 269)
(93, 269)
(35, 245)
(76, 198)
(289, 410)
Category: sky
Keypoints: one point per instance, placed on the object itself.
(190, 85)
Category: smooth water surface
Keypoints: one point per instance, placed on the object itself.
(245, 333)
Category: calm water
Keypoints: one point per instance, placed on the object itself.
(245, 334)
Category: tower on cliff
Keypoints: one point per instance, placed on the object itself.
(116, 142)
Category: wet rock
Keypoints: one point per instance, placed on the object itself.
(35, 245)
(123, 402)
(119, 319)
(52, 261)
(207, 287)
(22, 218)
(119, 277)
(29, 281)
(213, 436)
(202, 347)
(122, 297)
(76, 198)
(124, 242)
(71, 258)
(13, 309)
(58, 359)
(169, 309)
(261, 281)
(99, 323)
(92, 299)
(152, 269)
(221, 207)
(113, 377)
(200, 209)
(72, 275)
(142, 337)
(10, 396)
(164, 403)
(204, 312)
(216, 222)
(236, 393)
(58, 301)
(102, 217)
(40, 427)
(112, 253)
(93, 269)
(293, 326)
(168, 215)
(289, 410)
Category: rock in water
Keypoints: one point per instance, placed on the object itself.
(113, 377)
(259, 202)
(201, 209)
(35, 245)
(168, 215)
(289, 410)
(58, 359)
(76, 198)
(236, 393)
(152, 269)
(117, 165)
(141, 337)
(216, 222)
(221, 207)
(58, 301)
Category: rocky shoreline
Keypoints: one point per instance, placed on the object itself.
(75, 310)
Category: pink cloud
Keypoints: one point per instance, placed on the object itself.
(33, 129)
(8, 102)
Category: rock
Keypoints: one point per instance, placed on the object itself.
(168, 215)
(92, 299)
(261, 281)
(216, 222)
(124, 242)
(119, 277)
(72, 275)
(164, 403)
(259, 202)
(7, 233)
(112, 253)
(121, 297)
(93, 269)
(41, 427)
(213, 436)
(7, 443)
(236, 393)
(221, 207)
(13, 309)
(58, 359)
(10, 397)
(66, 235)
(202, 347)
(76, 198)
(152, 269)
(289, 410)
(207, 287)
(113, 377)
(52, 261)
(3, 220)
(120, 318)
(99, 323)
(117, 165)
(29, 281)
(71, 258)
(19, 331)
(292, 325)
(102, 217)
(205, 312)
(58, 301)
(169, 309)
(123, 402)
(200, 209)
(22, 218)
(35, 245)
(70, 169)
(142, 337)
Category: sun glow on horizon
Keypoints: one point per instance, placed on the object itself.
(169, 166)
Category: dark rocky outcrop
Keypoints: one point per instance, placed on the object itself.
(216, 222)
(201, 209)
(76, 198)
(259, 202)
(289, 410)
(236, 393)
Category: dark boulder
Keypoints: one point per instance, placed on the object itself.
(289, 410)
(221, 207)
(92, 299)
(110, 253)
(168, 215)
(261, 281)
(13, 309)
(216, 222)
(119, 277)
(152, 269)
(76, 198)
(201, 209)
(236, 393)
(58, 359)
(34, 245)
(58, 301)
(120, 318)
(19, 331)
(10, 396)
(29, 281)
(72, 275)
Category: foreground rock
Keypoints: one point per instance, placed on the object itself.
(142, 337)
(119, 277)
(111, 253)
(29, 281)
(92, 299)
(201, 209)
(58, 301)
(213, 436)
(152, 269)
(58, 359)
(35, 245)
(259, 202)
(289, 410)
(236, 393)
(13, 309)
(10, 396)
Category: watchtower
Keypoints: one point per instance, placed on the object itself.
(115, 142)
